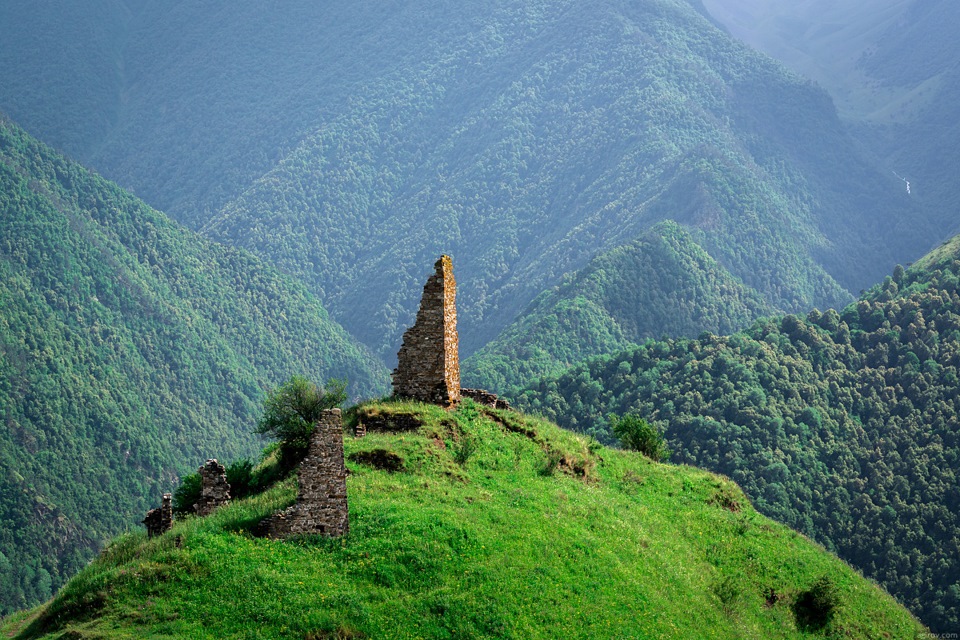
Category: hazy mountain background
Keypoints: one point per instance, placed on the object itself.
(891, 66)
(350, 143)
(602, 173)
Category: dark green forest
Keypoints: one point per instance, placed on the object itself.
(130, 351)
(841, 424)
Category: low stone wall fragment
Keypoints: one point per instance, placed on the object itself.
(159, 521)
(321, 507)
(214, 488)
(480, 396)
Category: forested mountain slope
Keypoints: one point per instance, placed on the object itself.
(663, 284)
(893, 67)
(62, 69)
(487, 524)
(350, 143)
(130, 350)
(822, 40)
(525, 152)
(842, 425)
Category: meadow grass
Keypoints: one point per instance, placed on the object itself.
(528, 532)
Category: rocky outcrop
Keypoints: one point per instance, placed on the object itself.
(214, 488)
(321, 507)
(428, 364)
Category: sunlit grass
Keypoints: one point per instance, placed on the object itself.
(537, 533)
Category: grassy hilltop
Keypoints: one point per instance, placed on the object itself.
(487, 524)
(841, 424)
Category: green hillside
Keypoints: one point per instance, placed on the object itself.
(523, 153)
(352, 143)
(496, 525)
(663, 284)
(130, 350)
(842, 425)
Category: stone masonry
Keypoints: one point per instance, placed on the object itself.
(428, 365)
(159, 521)
(485, 398)
(321, 506)
(214, 489)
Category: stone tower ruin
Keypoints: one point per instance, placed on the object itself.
(428, 365)
(321, 506)
(159, 521)
(214, 489)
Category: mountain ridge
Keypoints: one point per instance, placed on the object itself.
(127, 343)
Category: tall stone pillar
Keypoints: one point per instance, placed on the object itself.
(428, 365)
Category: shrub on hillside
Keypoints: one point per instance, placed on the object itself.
(815, 607)
(291, 410)
(637, 434)
(187, 494)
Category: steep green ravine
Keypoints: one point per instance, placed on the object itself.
(130, 350)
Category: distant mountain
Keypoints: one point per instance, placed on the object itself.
(487, 524)
(130, 351)
(822, 40)
(350, 144)
(893, 68)
(842, 425)
(663, 284)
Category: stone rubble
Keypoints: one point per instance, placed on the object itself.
(159, 521)
(485, 398)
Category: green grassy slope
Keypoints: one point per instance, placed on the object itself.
(663, 284)
(130, 350)
(843, 425)
(529, 532)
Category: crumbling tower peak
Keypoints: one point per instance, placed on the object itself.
(428, 364)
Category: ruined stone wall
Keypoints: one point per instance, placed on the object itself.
(428, 365)
(321, 506)
(485, 398)
(159, 521)
(214, 489)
